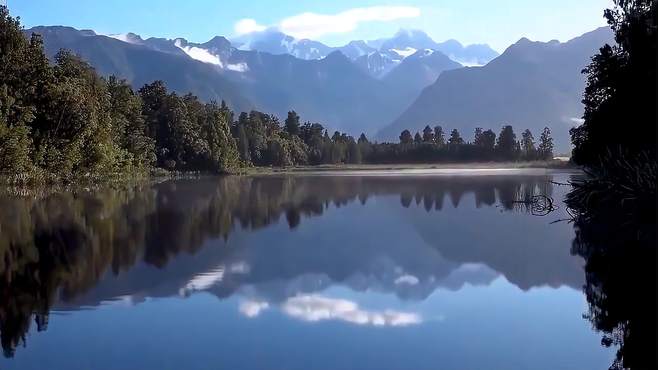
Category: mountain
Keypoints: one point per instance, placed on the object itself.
(470, 55)
(356, 49)
(405, 39)
(333, 90)
(531, 85)
(275, 42)
(377, 63)
(141, 64)
(418, 71)
(406, 42)
(382, 54)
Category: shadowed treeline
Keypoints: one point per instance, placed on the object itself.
(618, 242)
(615, 205)
(56, 246)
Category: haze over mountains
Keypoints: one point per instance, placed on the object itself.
(374, 87)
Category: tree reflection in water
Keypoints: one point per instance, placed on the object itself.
(57, 246)
(617, 239)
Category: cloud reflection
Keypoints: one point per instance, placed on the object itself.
(253, 308)
(317, 308)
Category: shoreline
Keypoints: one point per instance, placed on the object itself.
(157, 175)
(416, 169)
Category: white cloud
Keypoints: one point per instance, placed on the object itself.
(239, 267)
(407, 279)
(313, 25)
(253, 308)
(199, 54)
(123, 37)
(318, 308)
(248, 25)
(204, 280)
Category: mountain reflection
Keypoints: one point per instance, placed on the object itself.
(68, 250)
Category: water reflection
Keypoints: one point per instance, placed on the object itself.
(71, 250)
(620, 253)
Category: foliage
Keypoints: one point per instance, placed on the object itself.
(614, 205)
(621, 87)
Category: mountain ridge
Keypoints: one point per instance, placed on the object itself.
(542, 79)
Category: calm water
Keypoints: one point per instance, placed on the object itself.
(304, 272)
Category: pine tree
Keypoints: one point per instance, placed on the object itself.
(428, 135)
(439, 136)
(506, 145)
(528, 144)
(406, 138)
(455, 138)
(292, 124)
(546, 144)
(417, 138)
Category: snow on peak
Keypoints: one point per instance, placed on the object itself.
(404, 52)
(240, 67)
(466, 63)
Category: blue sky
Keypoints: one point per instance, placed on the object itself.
(498, 23)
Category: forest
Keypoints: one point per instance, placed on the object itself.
(60, 120)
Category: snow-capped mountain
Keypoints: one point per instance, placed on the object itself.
(275, 42)
(409, 39)
(469, 55)
(356, 49)
(378, 57)
(379, 63)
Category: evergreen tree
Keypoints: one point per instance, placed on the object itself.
(439, 136)
(353, 152)
(528, 144)
(406, 138)
(292, 124)
(417, 138)
(486, 140)
(546, 144)
(128, 124)
(477, 138)
(506, 146)
(428, 135)
(455, 138)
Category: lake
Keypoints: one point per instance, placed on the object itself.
(444, 270)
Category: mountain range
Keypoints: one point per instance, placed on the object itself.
(531, 85)
(376, 87)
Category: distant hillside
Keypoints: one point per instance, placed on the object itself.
(140, 64)
(531, 85)
(418, 71)
(332, 90)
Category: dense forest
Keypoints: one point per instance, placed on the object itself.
(59, 119)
